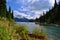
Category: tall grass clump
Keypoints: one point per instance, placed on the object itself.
(43, 32)
(12, 31)
(36, 31)
(5, 33)
(21, 31)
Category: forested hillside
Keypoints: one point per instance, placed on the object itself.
(4, 13)
(51, 16)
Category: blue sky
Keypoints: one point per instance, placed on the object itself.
(30, 9)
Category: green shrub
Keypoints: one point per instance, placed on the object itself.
(22, 31)
(43, 32)
(13, 32)
(5, 33)
(36, 31)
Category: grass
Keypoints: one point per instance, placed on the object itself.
(36, 31)
(12, 31)
(5, 33)
(39, 34)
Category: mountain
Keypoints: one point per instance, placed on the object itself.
(51, 16)
(21, 19)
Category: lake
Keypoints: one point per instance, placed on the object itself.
(53, 32)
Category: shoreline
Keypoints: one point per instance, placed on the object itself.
(46, 24)
(50, 24)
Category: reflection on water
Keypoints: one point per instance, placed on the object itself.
(52, 32)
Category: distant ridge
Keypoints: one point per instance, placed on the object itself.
(21, 19)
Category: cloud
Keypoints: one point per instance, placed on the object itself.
(26, 1)
(16, 13)
(37, 13)
(40, 5)
(34, 8)
(30, 8)
(22, 8)
(19, 13)
(32, 13)
(52, 2)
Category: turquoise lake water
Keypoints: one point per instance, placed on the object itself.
(53, 32)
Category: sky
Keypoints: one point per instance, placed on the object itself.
(30, 9)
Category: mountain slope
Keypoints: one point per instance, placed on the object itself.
(52, 16)
(21, 20)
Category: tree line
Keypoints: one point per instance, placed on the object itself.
(51, 16)
(4, 13)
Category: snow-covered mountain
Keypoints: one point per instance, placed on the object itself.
(20, 18)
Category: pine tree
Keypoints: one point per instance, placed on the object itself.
(9, 9)
(3, 11)
(9, 12)
(12, 15)
(52, 16)
(55, 3)
(3, 8)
